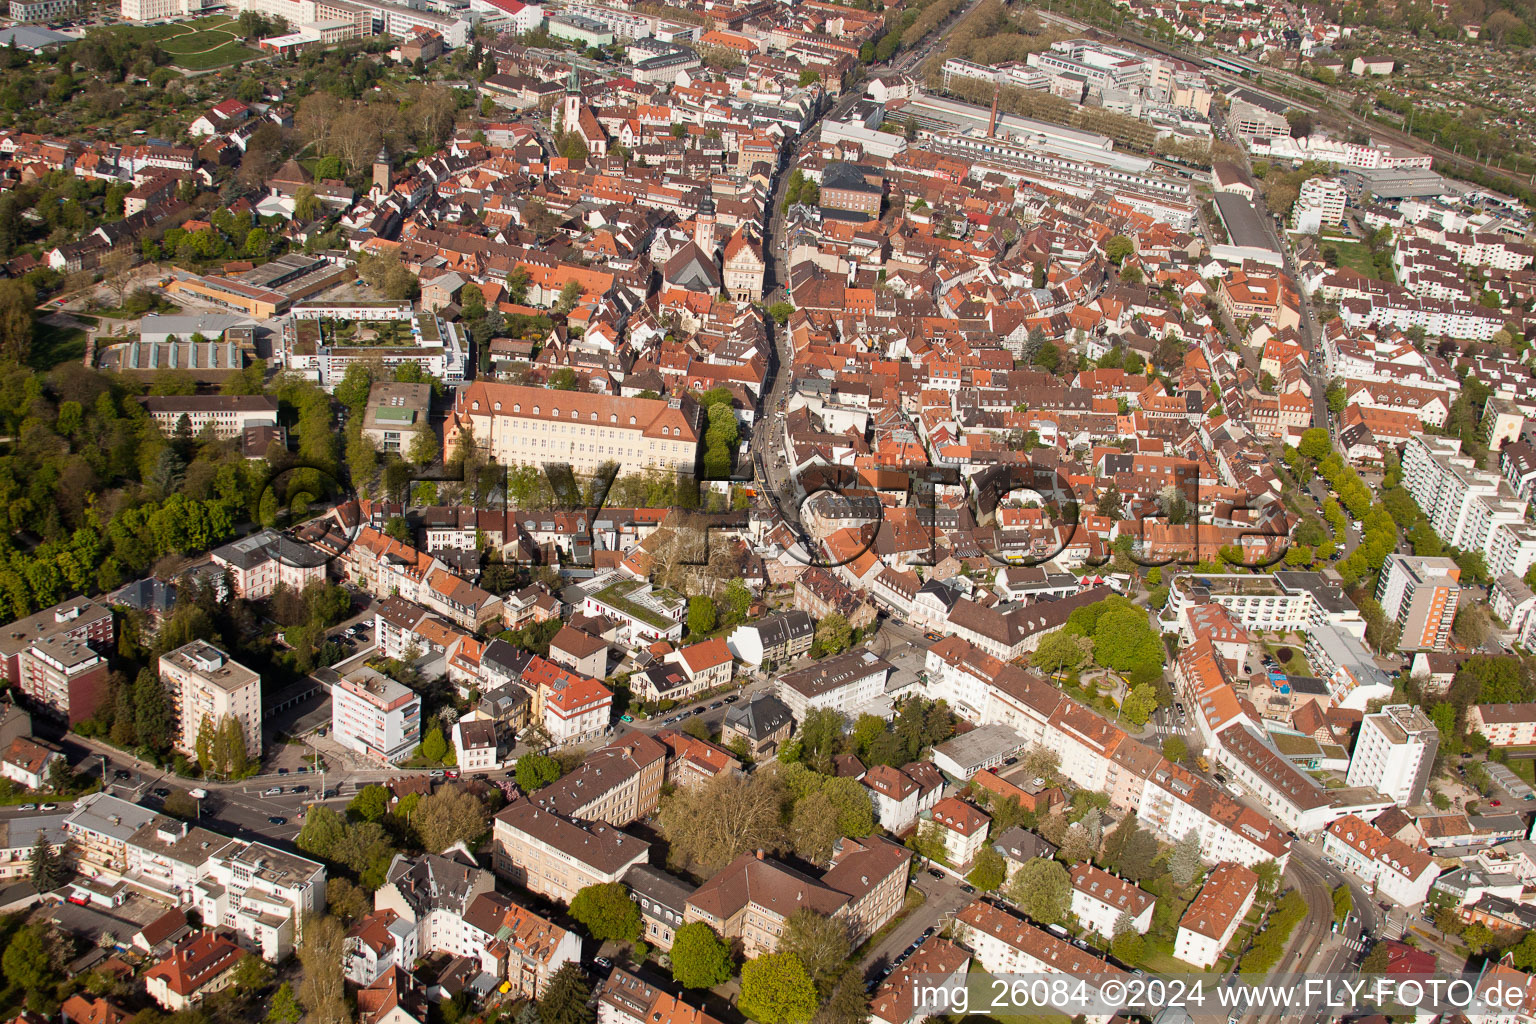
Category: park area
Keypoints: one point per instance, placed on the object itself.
(197, 45)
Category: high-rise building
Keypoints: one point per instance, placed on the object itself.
(1395, 753)
(1420, 594)
(205, 684)
(1470, 508)
(372, 714)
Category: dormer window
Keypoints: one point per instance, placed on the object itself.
(517, 407)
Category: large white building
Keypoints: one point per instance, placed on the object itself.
(1389, 867)
(1099, 899)
(1281, 601)
(526, 426)
(1005, 944)
(1320, 204)
(263, 895)
(1210, 922)
(840, 683)
(206, 687)
(1420, 593)
(374, 715)
(1395, 753)
(1470, 508)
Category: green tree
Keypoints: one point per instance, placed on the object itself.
(322, 831)
(701, 615)
(1042, 889)
(776, 989)
(30, 960)
(607, 912)
(44, 868)
(370, 804)
(833, 634)
(1129, 947)
(1118, 248)
(699, 958)
(284, 1008)
(535, 771)
(1175, 749)
(566, 998)
(434, 747)
(1343, 903)
(820, 943)
(989, 870)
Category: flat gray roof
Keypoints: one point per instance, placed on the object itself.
(1242, 221)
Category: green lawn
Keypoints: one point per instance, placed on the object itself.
(1356, 256)
(230, 53)
(54, 345)
(197, 42)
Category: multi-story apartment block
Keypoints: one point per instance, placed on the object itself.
(1396, 870)
(263, 895)
(1099, 899)
(762, 723)
(840, 683)
(55, 657)
(1420, 594)
(645, 614)
(1505, 725)
(1281, 601)
(205, 685)
(556, 857)
(527, 426)
(753, 897)
(101, 828)
(431, 895)
(1208, 925)
(395, 412)
(617, 783)
(961, 827)
(902, 795)
(777, 638)
(1395, 753)
(195, 969)
(374, 715)
(1005, 944)
(257, 564)
(226, 415)
(663, 900)
(1321, 202)
(166, 859)
(1342, 661)
(1470, 508)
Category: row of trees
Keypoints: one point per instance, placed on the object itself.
(364, 841)
(916, 725)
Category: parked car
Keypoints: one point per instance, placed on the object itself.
(282, 771)
(49, 807)
(121, 774)
(717, 704)
(602, 961)
(731, 699)
(451, 773)
(277, 821)
(27, 807)
(299, 789)
(272, 791)
(436, 773)
(626, 718)
(162, 792)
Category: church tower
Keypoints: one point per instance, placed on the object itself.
(381, 176)
(570, 107)
(704, 226)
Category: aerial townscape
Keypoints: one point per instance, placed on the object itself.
(708, 511)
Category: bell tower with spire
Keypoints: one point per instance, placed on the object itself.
(704, 226)
(570, 107)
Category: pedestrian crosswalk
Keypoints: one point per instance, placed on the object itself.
(1354, 945)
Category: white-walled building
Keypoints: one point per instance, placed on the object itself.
(1420, 593)
(962, 827)
(374, 715)
(841, 683)
(1213, 917)
(1004, 944)
(1394, 754)
(1320, 204)
(205, 685)
(263, 895)
(1389, 867)
(1469, 508)
(1099, 898)
(902, 795)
